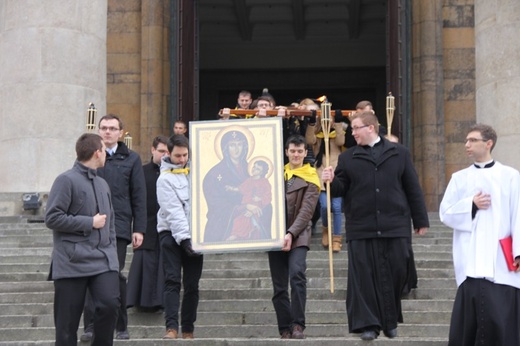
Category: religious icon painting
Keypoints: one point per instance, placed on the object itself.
(237, 195)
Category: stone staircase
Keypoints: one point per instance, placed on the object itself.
(235, 306)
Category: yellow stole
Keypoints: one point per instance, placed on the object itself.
(306, 172)
(177, 171)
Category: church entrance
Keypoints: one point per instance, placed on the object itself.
(348, 50)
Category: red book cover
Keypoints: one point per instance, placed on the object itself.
(507, 249)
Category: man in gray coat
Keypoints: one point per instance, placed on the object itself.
(81, 217)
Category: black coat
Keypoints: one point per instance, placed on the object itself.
(123, 172)
(151, 173)
(381, 196)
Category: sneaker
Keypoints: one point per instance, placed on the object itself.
(297, 332)
(122, 335)
(170, 334)
(86, 337)
(187, 335)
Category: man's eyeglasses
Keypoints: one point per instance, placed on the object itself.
(356, 128)
(475, 140)
(111, 129)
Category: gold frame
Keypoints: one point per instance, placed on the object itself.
(211, 173)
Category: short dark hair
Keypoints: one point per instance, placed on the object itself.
(178, 141)
(363, 104)
(487, 133)
(264, 165)
(159, 139)
(296, 140)
(86, 145)
(110, 117)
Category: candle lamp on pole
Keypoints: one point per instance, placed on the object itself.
(390, 108)
(325, 127)
(90, 122)
(128, 140)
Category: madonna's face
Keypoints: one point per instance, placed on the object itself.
(235, 149)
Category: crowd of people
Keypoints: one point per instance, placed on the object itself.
(109, 200)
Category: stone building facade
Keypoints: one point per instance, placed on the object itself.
(125, 56)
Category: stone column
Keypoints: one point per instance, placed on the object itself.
(52, 64)
(154, 72)
(428, 99)
(497, 52)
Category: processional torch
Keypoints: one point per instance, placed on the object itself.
(128, 140)
(390, 108)
(90, 122)
(325, 126)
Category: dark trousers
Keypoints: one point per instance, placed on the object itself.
(122, 316)
(69, 299)
(289, 267)
(174, 258)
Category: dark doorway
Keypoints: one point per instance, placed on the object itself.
(296, 48)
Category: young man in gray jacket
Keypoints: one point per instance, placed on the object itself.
(81, 217)
(173, 225)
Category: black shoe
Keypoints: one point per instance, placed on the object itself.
(368, 335)
(392, 333)
(186, 246)
(86, 337)
(122, 335)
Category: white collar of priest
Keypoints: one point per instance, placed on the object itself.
(378, 139)
(484, 164)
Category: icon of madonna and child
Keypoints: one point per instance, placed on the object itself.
(237, 190)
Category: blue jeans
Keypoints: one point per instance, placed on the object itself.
(335, 208)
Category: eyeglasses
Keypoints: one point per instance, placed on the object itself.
(475, 140)
(111, 129)
(356, 128)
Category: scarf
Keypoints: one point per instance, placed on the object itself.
(306, 172)
(177, 171)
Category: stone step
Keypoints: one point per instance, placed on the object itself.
(236, 291)
(242, 331)
(227, 305)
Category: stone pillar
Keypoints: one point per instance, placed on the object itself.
(428, 99)
(497, 52)
(154, 72)
(52, 64)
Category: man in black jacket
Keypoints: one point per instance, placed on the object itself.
(123, 172)
(145, 277)
(381, 197)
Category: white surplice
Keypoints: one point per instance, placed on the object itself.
(476, 247)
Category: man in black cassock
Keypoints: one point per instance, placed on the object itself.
(382, 197)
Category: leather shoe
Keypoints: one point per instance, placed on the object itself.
(122, 335)
(297, 332)
(368, 335)
(186, 335)
(170, 334)
(286, 334)
(86, 337)
(392, 333)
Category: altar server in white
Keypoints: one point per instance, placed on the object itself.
(481, 204)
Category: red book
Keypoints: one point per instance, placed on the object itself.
(507, 249)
